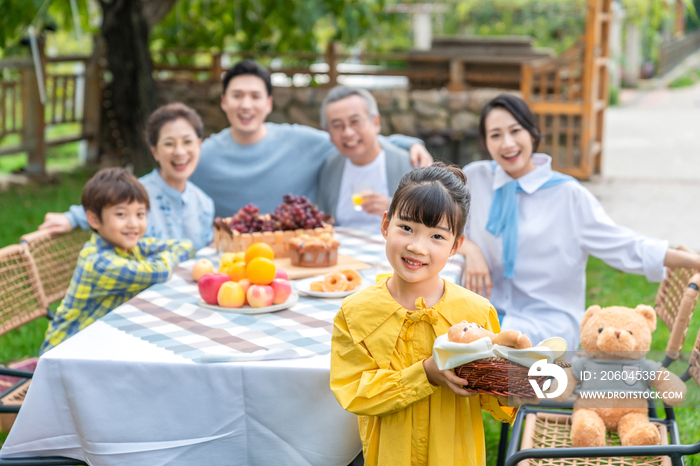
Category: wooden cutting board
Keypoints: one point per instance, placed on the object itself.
(344, 263)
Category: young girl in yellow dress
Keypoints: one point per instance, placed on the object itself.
(410, 412)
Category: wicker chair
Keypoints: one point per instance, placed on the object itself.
(674, 305)
(545, 433)
(22, 300)
(55, 257)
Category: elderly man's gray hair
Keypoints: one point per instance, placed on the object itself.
(342, 92)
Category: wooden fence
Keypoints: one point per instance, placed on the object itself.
(673, 53)
(569, 95)
(432, 69)
(72, 95)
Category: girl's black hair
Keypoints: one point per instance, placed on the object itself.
(520, 111)
(427, 195)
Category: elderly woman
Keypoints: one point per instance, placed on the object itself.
(531, 230)
(179, 209)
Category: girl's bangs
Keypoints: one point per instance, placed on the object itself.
(427, 203)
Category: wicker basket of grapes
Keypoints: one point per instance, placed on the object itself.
(296, 216)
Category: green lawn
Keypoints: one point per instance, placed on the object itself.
(24, 207)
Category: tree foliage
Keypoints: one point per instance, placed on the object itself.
(265, 25)
(17, 15)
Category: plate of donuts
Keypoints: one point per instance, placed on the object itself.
(332, 285)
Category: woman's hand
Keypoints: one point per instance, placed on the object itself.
(445, 378)
(477, 276)
(56, 223)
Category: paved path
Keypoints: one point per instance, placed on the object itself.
(651, 164)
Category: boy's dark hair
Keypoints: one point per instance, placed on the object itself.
(248, 66)
(171, 112)
(427, 195)
(520, 111)
(111, 186)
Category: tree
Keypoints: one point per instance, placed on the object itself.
(125, 37)
(126, 27)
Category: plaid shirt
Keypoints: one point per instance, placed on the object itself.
(106, 277)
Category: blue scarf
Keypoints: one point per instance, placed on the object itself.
(503, 216)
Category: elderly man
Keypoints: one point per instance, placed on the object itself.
(254, 161)
(356, 183)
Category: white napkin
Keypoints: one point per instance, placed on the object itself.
(449, 355)
(260, 355)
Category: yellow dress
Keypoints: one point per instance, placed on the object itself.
(377, 355)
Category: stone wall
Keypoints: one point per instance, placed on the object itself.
(448, 121)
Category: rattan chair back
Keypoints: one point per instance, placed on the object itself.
(22, 297)
(55, 256)
(674, 306)
(694, 361)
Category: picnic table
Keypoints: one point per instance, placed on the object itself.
(131, 388)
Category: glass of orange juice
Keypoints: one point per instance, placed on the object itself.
(358, 188)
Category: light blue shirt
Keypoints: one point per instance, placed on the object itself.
(559, 227)
(173, 215)
(287, 160)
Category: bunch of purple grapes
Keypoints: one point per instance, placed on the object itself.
(296, 212)
(247, 220)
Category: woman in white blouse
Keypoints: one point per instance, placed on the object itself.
(531, 229)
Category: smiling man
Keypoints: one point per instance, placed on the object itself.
(259, 162)
(355, 184)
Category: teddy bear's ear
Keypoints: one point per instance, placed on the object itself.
(589, 313)
(649, 314)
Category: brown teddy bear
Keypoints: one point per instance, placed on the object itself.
(616, 340)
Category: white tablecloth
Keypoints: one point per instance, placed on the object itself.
(108, 397)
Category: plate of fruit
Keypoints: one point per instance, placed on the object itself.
(332, 285)
(246, 283)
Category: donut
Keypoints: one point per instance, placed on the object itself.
(316, 286)
(354, 279)
(334, 282)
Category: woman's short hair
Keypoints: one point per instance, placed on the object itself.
(430, 194)
(112, 186)
(520, 111)
(171, 112)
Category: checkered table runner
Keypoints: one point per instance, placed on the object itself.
(168, 316)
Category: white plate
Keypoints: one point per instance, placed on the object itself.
(304, 286)
(291, 301)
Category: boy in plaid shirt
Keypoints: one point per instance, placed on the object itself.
(117, 262)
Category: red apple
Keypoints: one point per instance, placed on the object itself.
(260, 295)
(281, 274)
(245, 284)
(282, 290)
(209, 285)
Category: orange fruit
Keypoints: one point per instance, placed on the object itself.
(235, 271)
(260, 271)
(227, 259)
(259, 250)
